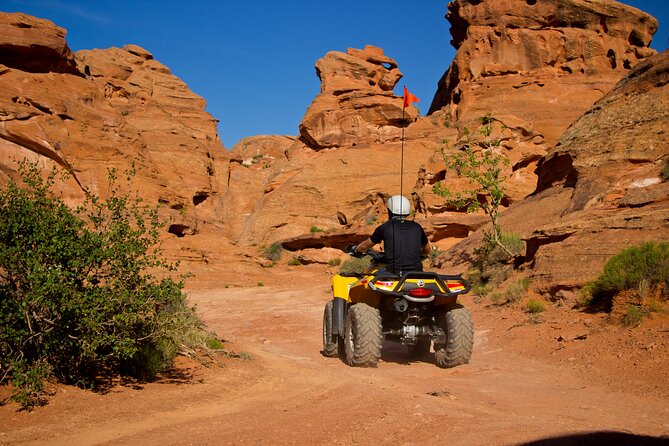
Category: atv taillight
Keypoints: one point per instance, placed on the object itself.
(420, 292)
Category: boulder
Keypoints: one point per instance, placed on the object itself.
(356, 105)
(34, 45)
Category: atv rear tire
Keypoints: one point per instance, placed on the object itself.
(459, 329)
(364, 337)
(330, 343)
(420, 349)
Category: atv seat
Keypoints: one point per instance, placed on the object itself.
(352, 274)
(385, 275)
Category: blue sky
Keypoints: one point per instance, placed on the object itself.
(253, 60)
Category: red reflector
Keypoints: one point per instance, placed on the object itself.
(420, 292)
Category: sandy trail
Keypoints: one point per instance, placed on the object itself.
(290, 394)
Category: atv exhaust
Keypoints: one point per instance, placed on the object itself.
(400, 305)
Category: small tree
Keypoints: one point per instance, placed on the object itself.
(481, 164)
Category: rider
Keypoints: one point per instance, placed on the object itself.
(404, 241)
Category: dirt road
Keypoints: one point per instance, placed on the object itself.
(527, 383)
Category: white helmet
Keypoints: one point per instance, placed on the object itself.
(399, 205)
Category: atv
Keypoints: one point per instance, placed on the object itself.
(414, 309)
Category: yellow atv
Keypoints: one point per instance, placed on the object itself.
(414, 309)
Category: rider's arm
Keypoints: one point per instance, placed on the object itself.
(365, 246)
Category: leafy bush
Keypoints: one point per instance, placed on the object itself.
(315, 229)
(491, 253)
(646, 265)
(584, 296)
(335, 261)
(214, 343)
(76, 300)
(294, 261)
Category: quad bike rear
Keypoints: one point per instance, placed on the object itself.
(416, 309)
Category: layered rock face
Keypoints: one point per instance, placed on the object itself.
(535, 66)
(356, 104)
(538, 64)
(600, 188)
(610, 161)
(107, 108)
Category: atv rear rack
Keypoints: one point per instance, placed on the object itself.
(458, 285)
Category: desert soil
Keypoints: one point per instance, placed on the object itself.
(560, 378)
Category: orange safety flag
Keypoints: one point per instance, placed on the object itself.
(409, 98)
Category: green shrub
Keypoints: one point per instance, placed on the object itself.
(584, 296)
(491, 253)
(371, 219)
(274, 251)
(536, 306)
(495, 296)
(493, 261)
(432, 256)
(646, 265)
(516, 291)
(334, 262)
(634, 315)
(665, 172)
(77, 300)
(294, 262)
(315, 229)
(355, 265)
(214, 343)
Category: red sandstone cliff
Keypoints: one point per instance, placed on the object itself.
(98, 109)
(536, 66)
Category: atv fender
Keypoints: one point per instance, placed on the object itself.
(341, 285)
(338, 316)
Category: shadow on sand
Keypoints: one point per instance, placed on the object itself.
(600, 439)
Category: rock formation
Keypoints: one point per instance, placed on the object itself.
(107, 108)
(356, 105)
(542, 62)
(295, 191)
(600, 188)
(611, 161)
(35, 46)
(535, 66)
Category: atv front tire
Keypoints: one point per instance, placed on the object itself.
(459, 329)
(364, 337)
(330, 343)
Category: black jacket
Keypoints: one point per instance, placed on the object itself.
(403, 242)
